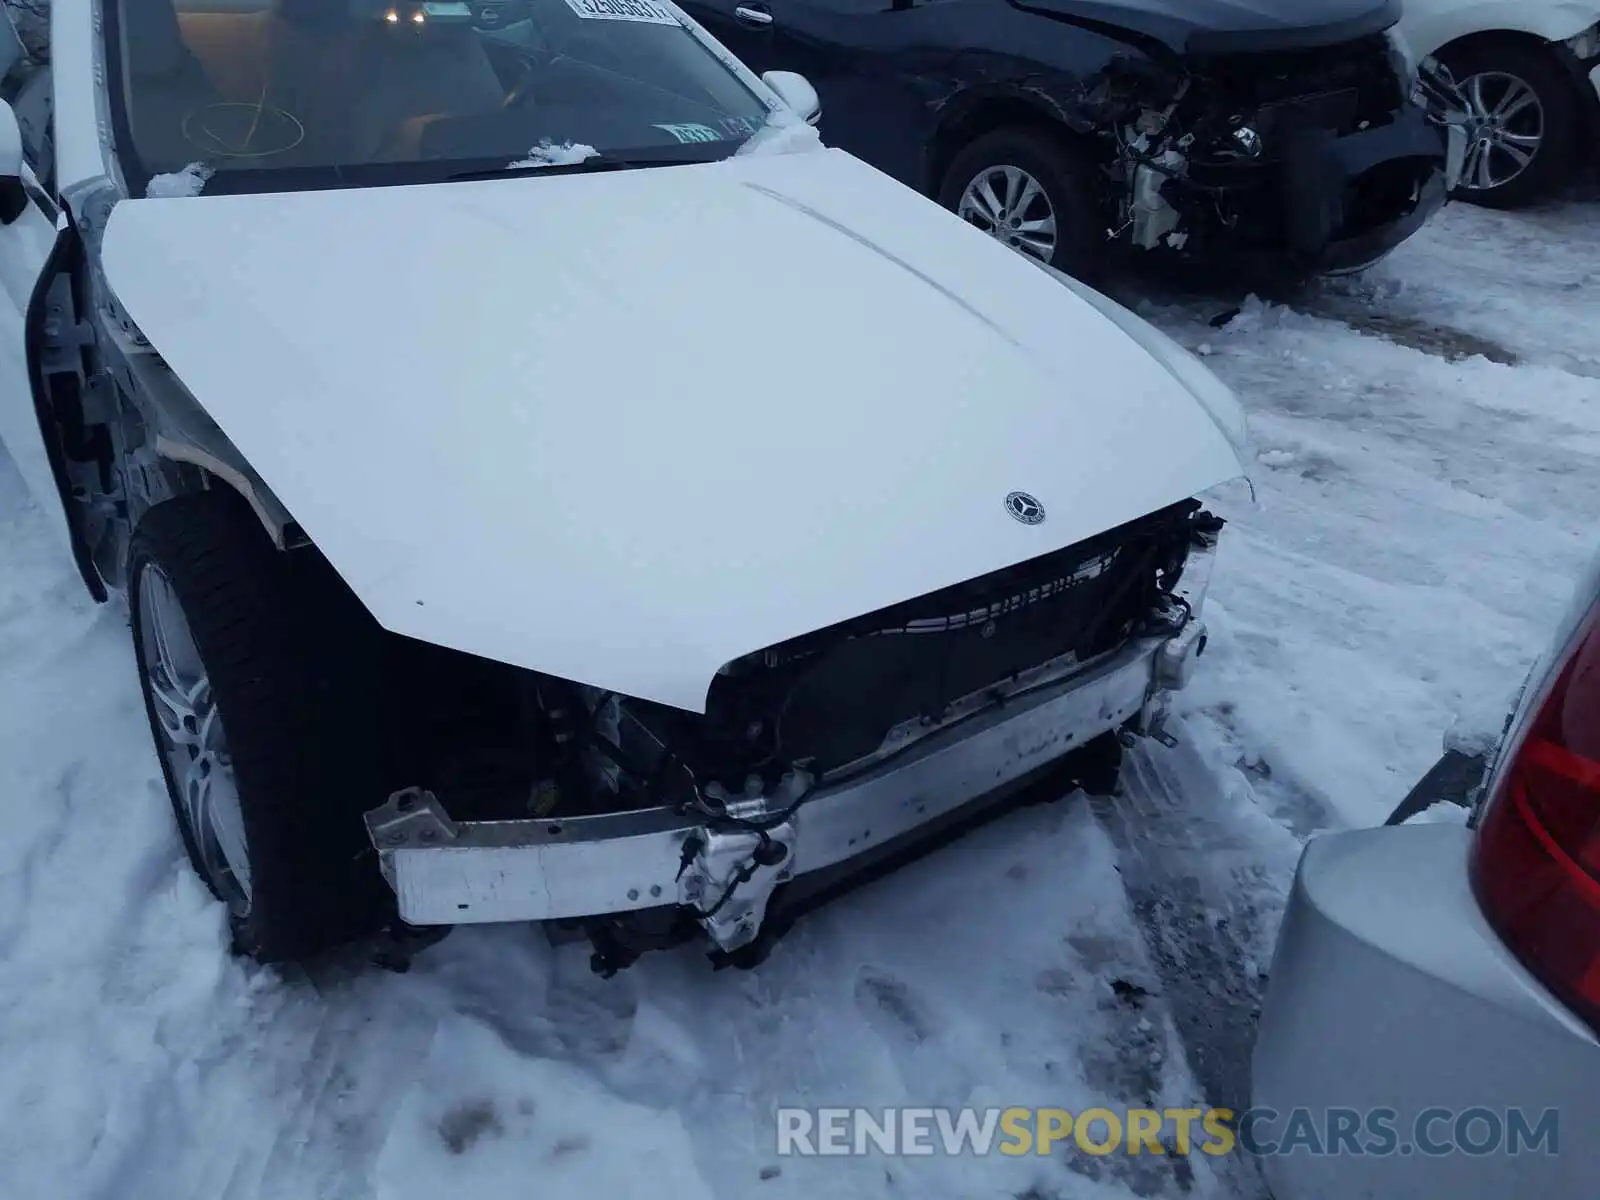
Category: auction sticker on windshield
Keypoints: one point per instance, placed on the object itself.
(692, 133)
(624, 10)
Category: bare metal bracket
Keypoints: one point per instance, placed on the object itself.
(1178, 657)
(410, 817)
(732, 878)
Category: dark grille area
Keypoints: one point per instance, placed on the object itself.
(832, 697)
(1347, 84)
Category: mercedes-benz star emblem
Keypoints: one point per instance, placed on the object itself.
(1025, 508)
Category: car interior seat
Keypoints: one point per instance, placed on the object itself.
(166, 84)
(353, 81)
(444, 73)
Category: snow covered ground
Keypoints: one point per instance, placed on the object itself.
(1429, 438)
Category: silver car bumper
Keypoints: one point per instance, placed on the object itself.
(449, 872)
(1402, 1050)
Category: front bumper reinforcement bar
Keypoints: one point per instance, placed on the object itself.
(449, 872)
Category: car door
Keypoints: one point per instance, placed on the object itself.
(27, 235)
(874, 63)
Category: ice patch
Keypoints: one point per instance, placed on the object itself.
(550, 154)
(190, 181)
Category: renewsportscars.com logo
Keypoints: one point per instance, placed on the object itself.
(1215, 1131)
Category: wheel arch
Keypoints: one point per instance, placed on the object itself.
(1495, 37)
(976, 115)
(214, 472)
(172, 447)
(1432, 32)
(96, 386)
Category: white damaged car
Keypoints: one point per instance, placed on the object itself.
(549, 485)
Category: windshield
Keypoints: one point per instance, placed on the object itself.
(259, 91)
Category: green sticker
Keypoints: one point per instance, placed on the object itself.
(692, 133)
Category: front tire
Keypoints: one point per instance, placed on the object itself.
(255, 667)
(1033, 192)
(1524, 122)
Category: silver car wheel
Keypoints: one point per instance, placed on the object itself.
(192, 740)
(1010, 205)
(1505, 128)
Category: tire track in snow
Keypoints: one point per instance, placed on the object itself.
(1528, 282)
(1204, 870)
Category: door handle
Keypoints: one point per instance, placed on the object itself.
(752, 14)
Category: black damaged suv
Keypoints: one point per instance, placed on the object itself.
(1291, 134)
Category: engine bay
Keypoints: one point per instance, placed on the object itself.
(1294, 148)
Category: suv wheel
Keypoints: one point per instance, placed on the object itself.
(253, 664)
(1522, 123)
(1031, 192)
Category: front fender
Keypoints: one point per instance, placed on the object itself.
(1430, 25)
(1075, 92)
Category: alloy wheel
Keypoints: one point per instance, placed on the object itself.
(192, 741)
(1505, 127)
(1010, 205)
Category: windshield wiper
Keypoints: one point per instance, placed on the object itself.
(595, 162)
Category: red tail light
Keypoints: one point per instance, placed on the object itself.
(1536, 862)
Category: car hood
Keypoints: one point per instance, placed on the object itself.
(1231, 26)
(626, 427)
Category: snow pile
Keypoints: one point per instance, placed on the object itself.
(1441, 812)
(1426, 501)
(1481, 721)
(190, 181)
(550, 154)
(784, 133)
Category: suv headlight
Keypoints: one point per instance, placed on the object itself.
(1436, 91)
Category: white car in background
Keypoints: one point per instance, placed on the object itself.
(1529, 72)
(548, 484)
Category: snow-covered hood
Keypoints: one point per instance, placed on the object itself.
(625, 427)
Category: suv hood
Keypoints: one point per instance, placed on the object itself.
(1231, 26)
(625, 427)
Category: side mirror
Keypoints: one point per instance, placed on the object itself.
(13, 197)
(796, 92)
